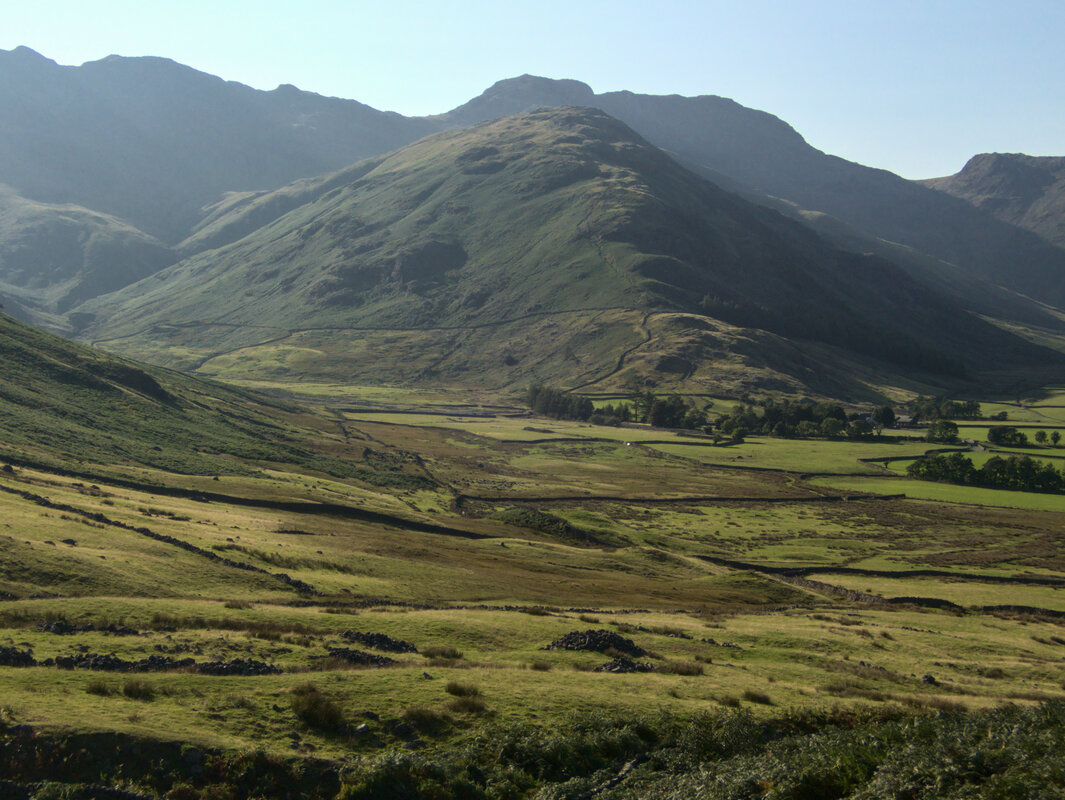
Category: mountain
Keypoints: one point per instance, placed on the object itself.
(152, 142)
(163, 147)
(541, 245)
(1027, 191)
(123, 166)
(55, 256)
(755, 151)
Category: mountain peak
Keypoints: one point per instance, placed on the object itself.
(520, 94)
(1024, 190)
(24, 55)
(540, 83)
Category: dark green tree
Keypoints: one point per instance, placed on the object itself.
(942, 430)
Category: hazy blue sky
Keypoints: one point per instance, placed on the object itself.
(914, 86)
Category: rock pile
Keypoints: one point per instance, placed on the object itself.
(107, 662)
(111, 663)
(238, 666)
(64, 628)
(379, 641)
(599, 641)
(360, 657)
(13, 657)
(622, 664)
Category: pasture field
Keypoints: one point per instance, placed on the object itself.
(802, 456)
(753, 579)
(946, 492)
(522, 429)
(966, 593)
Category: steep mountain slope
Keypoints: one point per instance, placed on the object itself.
(55, 256)
(170, 151)
(69, 405)
(1028, 191)
(717, 136)
(556, 213)
(152, 141)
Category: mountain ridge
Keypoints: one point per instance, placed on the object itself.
(207, 208)
(557, 211)
(1026, 191)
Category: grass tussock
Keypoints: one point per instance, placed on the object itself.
(442, 653)
(461, 689)
(761, 698)
(426, 720)
(690, 668)
(138, 690)
(315, 710)
(468, 705)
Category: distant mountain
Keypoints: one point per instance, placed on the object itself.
(55, 256)
(560, 214)
(1028, 191)
(758, 152)
(122, 166)
(152, 141)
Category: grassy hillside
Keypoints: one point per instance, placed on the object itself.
(530, 247)
(67, 405)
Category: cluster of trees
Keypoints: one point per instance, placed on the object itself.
(663, 412)
(805, 420)
(557, 403)
(1008, 436)
(669, 412)
(1020, 473)
(611, 414)
(1042, 438)
(930, 408)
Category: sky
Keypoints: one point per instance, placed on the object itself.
(913, 87)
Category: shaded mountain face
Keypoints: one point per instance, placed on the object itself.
(756, 151)
(555, 212)
(174, 163)
(1027, 191)
(56, 256)
(170, 150)
(152, 141)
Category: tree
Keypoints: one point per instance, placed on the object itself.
(1007, 436)
(1041, 437)
(859, 429)
(1055, 437)
(942, 430)
(884, 417)
(832, 427)
(667, 412)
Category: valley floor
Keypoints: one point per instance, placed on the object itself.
(322, 620)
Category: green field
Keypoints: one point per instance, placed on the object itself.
(210, 528)
(803, 456)
(949, 493)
